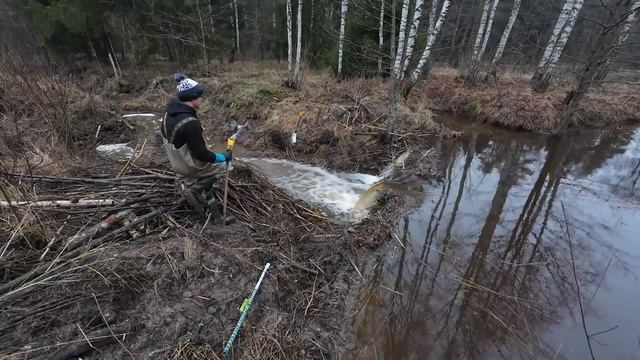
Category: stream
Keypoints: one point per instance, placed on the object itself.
(483, 266)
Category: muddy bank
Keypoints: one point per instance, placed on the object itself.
(512, 103)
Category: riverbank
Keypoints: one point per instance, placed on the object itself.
(513, 104)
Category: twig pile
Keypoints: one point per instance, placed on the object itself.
(62, 249)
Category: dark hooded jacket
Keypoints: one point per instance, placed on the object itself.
(190, 133)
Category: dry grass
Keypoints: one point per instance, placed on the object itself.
(512, 102)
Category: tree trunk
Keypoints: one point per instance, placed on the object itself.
(289, 40)
(413, 33)
(203, 38)
(392, 41)
(401, 49)
(545, 78)
(622, 38)
(237, 25)
(454, 38)
(482, 38)
(551, 44)
(343, 21)
(505, 36)
(296, 72)
(380, 37)
(426, 53)
(481, 28)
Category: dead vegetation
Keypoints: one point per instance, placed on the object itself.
(67, 283)
(512, 103)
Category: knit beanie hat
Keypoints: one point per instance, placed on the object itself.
(187, 89)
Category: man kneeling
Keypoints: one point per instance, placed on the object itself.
(186, 147)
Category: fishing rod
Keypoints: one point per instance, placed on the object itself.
(244, 309)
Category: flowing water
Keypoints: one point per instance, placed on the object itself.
(336, 192)
(483, 266)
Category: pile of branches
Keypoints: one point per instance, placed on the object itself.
(63, 237)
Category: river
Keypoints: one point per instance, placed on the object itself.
(482, 268)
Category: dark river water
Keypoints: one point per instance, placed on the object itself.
(527, 241)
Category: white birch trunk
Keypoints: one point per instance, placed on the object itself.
(564, 37)
(557, 29)
(507, 31)
(235, 10)
(628, 23)
(400, 50)
(289, 39)
(432, 15)
(381, 36)
(481, 27)
(431, 39)
(487, 31)
(413, 33)
(343, 21)
(296, 72)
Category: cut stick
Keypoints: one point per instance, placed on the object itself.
(62, 203)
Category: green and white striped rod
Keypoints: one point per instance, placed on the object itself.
(246, 304)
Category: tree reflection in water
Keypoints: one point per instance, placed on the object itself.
(483, 266)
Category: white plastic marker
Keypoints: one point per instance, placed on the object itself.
(244, 309)
(294, 135)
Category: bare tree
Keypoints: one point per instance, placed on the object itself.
(605, 48)
(482, 38)
(392, 41)
(413, 33)
(289, 40)
(296, 71)
(505, 36)
(237, 25)
(203, 38)
(543, 80)
(401, 48)
(343, 21)
(431, 39)
(381, 37)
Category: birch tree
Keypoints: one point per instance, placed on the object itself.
(623, 36)
(482, 38)
(551, 44)
(380, 37)
(401, 48)
(296, 72)
(544, 80)
(505, 36)
(431, 39)
(392, 40)
(289, 40)
(413, 33)
(343, 21)
(237, 25)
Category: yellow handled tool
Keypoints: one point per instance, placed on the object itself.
(231, 141)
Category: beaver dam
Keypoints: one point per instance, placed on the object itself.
(511, 247)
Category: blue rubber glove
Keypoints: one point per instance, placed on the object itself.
(220, 157)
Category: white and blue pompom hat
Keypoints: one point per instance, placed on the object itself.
(188, 89)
